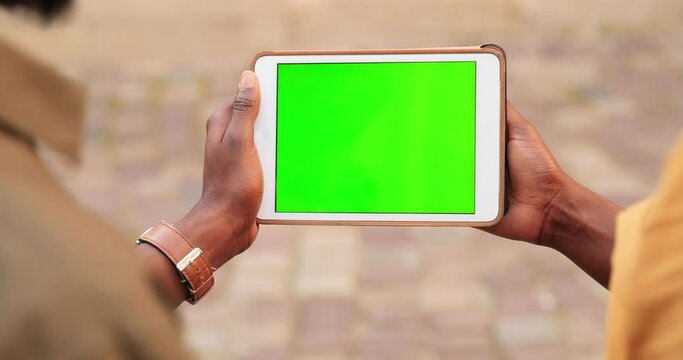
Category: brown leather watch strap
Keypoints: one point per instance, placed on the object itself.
(188, 259)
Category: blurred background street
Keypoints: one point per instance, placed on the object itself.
(602, 81)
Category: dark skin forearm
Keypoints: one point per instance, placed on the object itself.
(545, 206)
(580, 224)
(223, 223)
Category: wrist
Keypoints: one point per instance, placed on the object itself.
(580, 224)
(576, 214)
(192, 265)
(211, 231)
(560, 216)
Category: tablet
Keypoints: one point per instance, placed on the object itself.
(382, 137)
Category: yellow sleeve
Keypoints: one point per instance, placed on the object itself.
(645, 315)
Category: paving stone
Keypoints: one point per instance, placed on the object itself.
(582, 330)
(267, 354)
(338, 355)
(471, 296)
(325, 324)
(384, 344)
(389, 305)
(261, 275)
(513, 331)
(542, 352)
(462, 333)
(390, 257)
(327, 261)
(520, 303)
(473, 353)
(176, 126)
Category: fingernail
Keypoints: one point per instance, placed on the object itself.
(247, 80)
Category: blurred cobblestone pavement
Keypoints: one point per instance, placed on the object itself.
(602, 80)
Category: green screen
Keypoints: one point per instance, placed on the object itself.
(376, 137)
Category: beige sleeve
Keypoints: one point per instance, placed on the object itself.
(645, 315)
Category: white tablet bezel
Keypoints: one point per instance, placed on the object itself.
(488, 128)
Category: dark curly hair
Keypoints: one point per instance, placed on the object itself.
(46, 9)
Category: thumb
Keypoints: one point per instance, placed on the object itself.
(245, 107)
(519, 128)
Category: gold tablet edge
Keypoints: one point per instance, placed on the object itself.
(486, 48)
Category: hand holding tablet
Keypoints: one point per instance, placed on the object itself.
(410, 137)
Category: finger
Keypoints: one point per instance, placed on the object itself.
(253, 231)
(218, 123)
(244, 110)
(513, 113)
(517, 126)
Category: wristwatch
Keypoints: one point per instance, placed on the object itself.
(188, 259)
